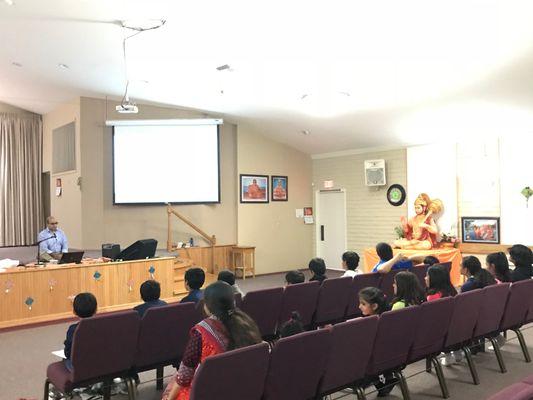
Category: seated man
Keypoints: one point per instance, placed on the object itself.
(150, 292)
(53, 240)
(194, 280)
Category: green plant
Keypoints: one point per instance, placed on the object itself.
(527, 192)
(399, 232)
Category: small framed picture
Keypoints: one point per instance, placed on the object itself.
(254, 188)
(480, 230)
(280, 190)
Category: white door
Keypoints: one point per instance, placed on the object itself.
(331, 226)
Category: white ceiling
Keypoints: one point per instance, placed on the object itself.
(375, 73)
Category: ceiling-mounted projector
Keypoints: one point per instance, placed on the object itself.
(127, 108)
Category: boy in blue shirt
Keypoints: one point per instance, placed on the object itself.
(150, 292)
(388, 261)
(85, 306)
(194, 280)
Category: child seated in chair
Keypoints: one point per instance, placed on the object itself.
(194, 280)
(84, 306)
(150, 293)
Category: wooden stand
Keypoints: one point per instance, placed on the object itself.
(246, 256)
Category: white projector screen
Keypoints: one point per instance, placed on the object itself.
(166, 164)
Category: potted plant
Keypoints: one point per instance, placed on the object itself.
(449, 240)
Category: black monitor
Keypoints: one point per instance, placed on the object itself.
(139, 250)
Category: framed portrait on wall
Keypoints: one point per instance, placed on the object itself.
(280, 189)
(253, 188)
(480, 230)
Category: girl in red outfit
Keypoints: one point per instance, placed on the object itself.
(438, 283)
(225, 328)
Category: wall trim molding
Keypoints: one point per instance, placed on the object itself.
(352, 152)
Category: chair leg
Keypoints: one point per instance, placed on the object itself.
(428, 365)
(107, 389)
(131, 389)
(360, 393)
(440, 376)
(523, 344)
(403, 386)
(498, 353)
(46, 389)
(471, 365)
(159, 378)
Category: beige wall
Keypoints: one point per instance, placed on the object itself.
(370, 218)
(67, 207)
(105, 222)
(282, 241)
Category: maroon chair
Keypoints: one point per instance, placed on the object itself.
(447, 265)
(264, 306)
(351, 346)
(332, 300)
(429, 337)
(296, 365)
(517, 310)
(236, 374)
(461, 330)
(360, 282)
(390, 355)
(163, 335)
(490, 316)
(386, 283)
(420, 271)
(301, 297)
(103, 348)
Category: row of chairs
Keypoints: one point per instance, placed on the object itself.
(522, 390)
(333, 301)
(352, 354)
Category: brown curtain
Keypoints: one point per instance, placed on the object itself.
(20, 179)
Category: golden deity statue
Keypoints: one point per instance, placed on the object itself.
(420, 231)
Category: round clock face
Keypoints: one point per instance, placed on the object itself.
(396, 195)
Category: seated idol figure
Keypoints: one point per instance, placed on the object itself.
(420, 231)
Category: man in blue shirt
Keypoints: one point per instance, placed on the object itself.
(56, 242)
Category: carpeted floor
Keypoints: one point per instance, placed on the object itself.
(25, 353)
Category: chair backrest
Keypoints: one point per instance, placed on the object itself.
(359, 282)
(163, 334)
(465, 314)
(492, 307)
(264, 307)
(394, 337)
(518, 304)
(104, 345)
(420, 271)
(434, 321)
(236, 374)
(386, 283)
(447, 265)
(296, 365)
(332, 300)
(351, 346)
(300, 297)
(200, 312)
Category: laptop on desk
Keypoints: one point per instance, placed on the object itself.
(71, 257)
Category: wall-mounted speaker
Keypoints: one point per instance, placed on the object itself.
(375, 173)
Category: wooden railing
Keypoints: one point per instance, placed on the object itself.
(171, 247)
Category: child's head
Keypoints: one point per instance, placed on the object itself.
(85, 305)
(194, 278)
(293, 277)
(150, 290)
(317, 266)
(431, 260)
(521, 255)
(407, 288)
(438, 280)
(498, 266)
(372, 301)
(350, 260)
(384, 251)
(227, 276)
(470, 266)
(293, 326)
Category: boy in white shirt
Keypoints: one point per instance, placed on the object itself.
(350, 261)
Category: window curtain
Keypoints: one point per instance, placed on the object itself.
(20, 179)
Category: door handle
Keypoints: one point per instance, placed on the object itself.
(322, 233)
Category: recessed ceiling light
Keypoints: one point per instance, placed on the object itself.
(16, 64)
(9, 2)
(305, 132)
(62, 66)
(224, 67)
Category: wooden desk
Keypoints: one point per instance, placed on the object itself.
(116, 286)
(246, 256)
